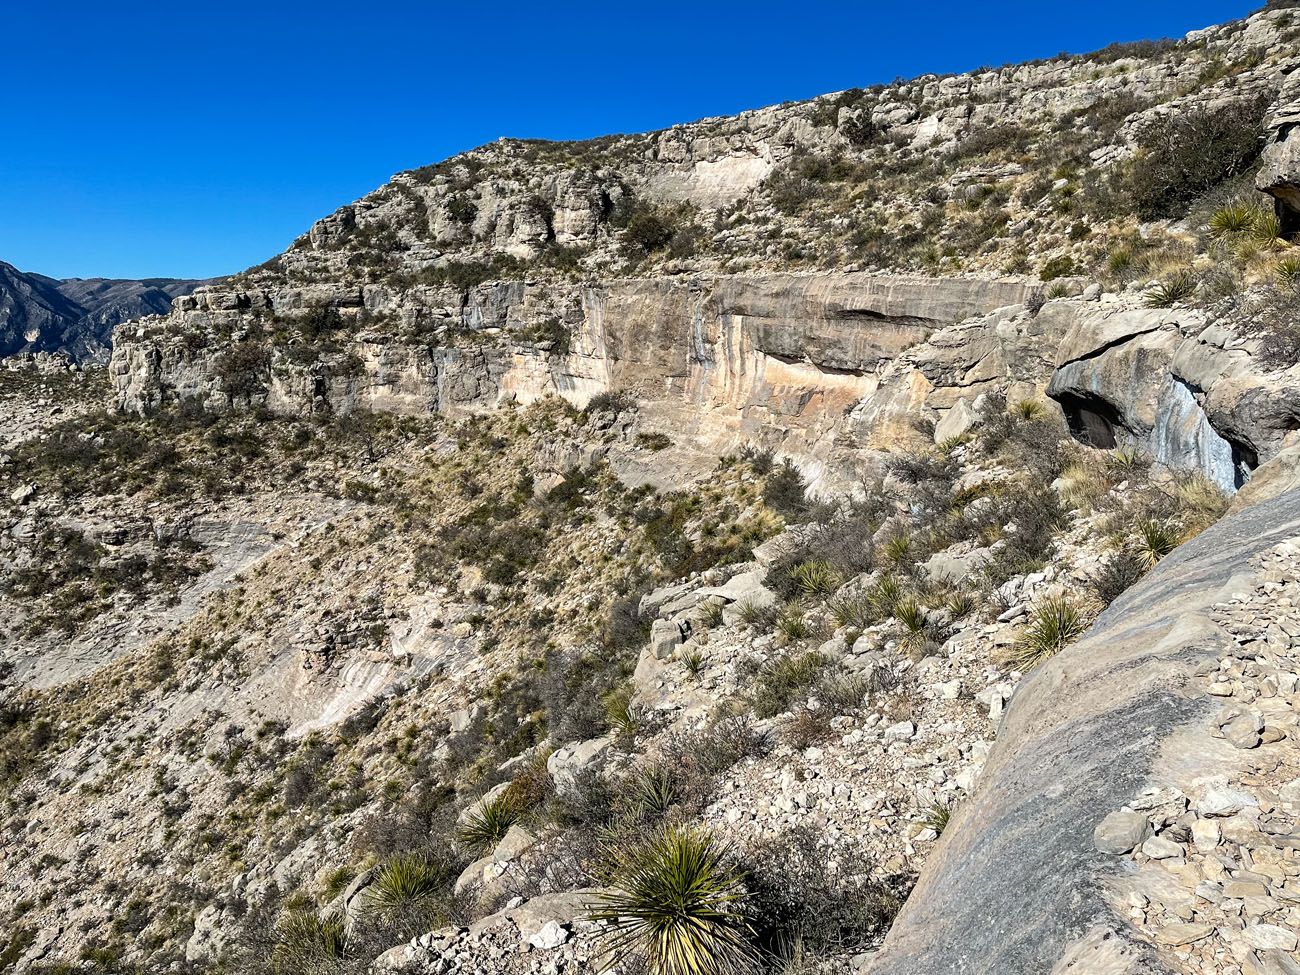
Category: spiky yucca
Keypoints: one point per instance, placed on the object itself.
(1027, 409)
(306, 943)
(1154, 539)
(1179, 286)
(816, 578)
(1234, 218)
(678, 906)
(488, 824)
(1054, 624)
(653, 789)
(407, 882)
(856, 611)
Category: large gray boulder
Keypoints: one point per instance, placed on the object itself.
(1279, 175)
(1017, 883)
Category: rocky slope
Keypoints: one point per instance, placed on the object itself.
(814, 478)
(77, 315)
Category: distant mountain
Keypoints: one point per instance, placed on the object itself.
(76, 315)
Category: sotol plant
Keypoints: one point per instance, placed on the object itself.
(487, 825)
(1053, 625)
(677, 906)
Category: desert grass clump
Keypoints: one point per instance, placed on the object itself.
(1200, 503)
(1053, 625)
(678, 907)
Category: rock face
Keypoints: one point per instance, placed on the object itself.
(76, 316)
(1280, 173)
(1180, 388)
(1086, 733)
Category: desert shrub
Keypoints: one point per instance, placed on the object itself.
(699, 758)
(678, 906)
(784, 490)
(784, 680)
(243, 369)
(1179, 286)
(488, 823)
(808, 900)
(1119, 574)
(1187, 153)
(1153, 539)
(307, 945)
(1274, 317)
(1057, 267)
(1054, 624)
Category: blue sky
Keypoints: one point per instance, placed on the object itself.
(195, 139)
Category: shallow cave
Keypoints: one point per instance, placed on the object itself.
(1091, 421)
(1244, 461)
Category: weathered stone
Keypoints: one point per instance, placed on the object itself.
(1121, 832)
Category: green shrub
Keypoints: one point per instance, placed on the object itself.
(1187, 153)
(1153, 539)
(1057, 267)
(784, 490)
(817, 578)
(791, 624)
(1179, 286)
(488, 824)
(784, 680)
(1053, 625)
(678, 907)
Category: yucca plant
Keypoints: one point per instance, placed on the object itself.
(409, 882)
(488, 824)
(693, 661)
(885, 594)
(1287, 269)
(791, 624)
(1234, 218)
(938, 816)
(307, 943)
(911, 614)
(1266, 228)
(897, 548)
(618, 711)
(816, 578)
(652, 790)
(752, 614)
(1120, 261)
(678, 907)
(1054, 623)
(711, 615)
(1027, 409)
(856, 611)
(1179, 286)
(960, 605)
(1154, 539)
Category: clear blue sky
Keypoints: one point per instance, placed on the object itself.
(198, 138)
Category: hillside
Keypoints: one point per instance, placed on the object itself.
(881, 509)
(75, 316)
